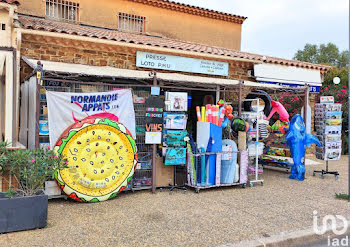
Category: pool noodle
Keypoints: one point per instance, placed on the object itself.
(202, 166)
(203, 113)
(198, 111)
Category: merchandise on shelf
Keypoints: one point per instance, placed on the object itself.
(174, 120)
(176, 101)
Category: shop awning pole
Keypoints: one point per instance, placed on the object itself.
(239, 98)
(154, 153)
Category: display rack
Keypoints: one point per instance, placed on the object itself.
(256, 154)
(169, 109)
(192, 180)
(328, 123)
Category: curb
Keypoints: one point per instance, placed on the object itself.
(301, 237)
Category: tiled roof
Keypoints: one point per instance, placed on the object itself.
(10, 1)
(194, 10)
(36, 23)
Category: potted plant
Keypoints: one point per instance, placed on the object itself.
(25, 207)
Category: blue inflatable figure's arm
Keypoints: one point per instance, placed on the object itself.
(310, 139)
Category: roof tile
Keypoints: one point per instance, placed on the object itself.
(36, 23)
(10, 2)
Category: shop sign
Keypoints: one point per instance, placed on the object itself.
(326, 99)
(154, 120)
(183, 64)
(312, 88)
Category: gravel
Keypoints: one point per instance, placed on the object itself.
(211, 218)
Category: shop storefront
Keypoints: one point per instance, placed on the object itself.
(177, 162)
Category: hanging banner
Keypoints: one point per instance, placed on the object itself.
(64, 109)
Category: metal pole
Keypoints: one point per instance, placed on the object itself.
(240, 99)
(306, 99)
(154, 154)
(348, 128)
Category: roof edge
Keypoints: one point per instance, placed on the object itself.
(194, 10)
(14, 2)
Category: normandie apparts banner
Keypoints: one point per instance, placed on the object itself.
(64, 109)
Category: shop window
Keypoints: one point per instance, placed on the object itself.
(131, 23)
(61, 10)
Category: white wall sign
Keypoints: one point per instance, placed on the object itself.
(177, 63)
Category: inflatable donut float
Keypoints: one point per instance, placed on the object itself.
(247, 105)
(101, 159)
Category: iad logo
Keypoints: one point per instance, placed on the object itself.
(333, 224)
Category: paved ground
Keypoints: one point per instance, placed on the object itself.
(211, 218)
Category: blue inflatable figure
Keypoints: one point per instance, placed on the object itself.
(297, 140)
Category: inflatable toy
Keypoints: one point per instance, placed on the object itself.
(238, 124)
(101, 158)
(297, 140)
(220, 102)
(229, 164)
(247, 105)
(228, 115)
(280, 128)
(279, 108)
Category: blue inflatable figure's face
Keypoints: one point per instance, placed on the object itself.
(298, 123)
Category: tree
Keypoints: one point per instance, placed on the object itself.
(323, 54)
(329, 54)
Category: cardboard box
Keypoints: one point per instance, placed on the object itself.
(164, 174)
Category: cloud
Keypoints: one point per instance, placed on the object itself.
(281, 27)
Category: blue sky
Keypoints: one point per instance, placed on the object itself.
(281, 27)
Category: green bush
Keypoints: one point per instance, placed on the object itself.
(30, 168)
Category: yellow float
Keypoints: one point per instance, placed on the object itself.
(101, 158)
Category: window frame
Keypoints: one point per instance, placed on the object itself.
(135, 21)
(59, 10)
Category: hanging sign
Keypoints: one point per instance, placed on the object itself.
(327, 99)
(177, 63)
(64, 109)
(154, 120)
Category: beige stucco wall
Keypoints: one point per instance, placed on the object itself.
(160, 21)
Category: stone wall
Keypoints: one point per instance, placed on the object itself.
(96, 54)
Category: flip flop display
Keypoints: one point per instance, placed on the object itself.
(101, 158)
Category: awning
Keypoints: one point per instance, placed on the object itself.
(106, 71)
(289, 76)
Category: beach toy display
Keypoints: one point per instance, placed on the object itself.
(101, 158)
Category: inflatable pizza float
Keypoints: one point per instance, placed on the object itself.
(101, 157)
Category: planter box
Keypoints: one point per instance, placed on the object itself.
(23, 213)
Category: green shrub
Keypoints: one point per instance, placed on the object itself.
(30, 168)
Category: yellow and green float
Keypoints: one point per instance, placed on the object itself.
(101, 158)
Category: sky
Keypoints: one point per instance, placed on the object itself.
(281, 27)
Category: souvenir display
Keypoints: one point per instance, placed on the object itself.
(328, 121)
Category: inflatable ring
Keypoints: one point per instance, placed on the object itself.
(247, 105)
(238, 124)
(101, 158)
